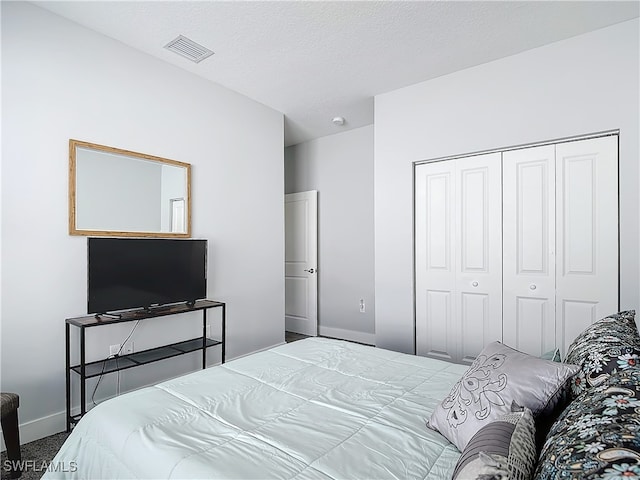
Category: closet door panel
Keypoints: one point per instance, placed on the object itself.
(587, 225)
(576, 316)
(478, 251)
(476, 328)
(435, 273)
(529, 249)
(533, 330)
(437, 339)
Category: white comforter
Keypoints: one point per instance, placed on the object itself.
(313, 409)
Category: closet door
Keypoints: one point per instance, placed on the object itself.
(458, 257)
(478, 249)
(587, 234)
(529, 249)
(435, 260)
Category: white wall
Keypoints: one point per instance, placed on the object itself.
(340, 167)
(578, 86)
(61, 81)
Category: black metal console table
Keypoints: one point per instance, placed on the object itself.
(122, 362)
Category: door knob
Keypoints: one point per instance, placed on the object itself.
(533, 286)
(475, 284)
(311, 270)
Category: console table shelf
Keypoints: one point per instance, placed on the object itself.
(122, 362)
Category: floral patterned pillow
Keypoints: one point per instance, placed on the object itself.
(598, 435)
(609, 345)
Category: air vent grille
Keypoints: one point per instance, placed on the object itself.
(188, 49)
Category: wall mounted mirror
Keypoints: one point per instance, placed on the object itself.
(115, 192)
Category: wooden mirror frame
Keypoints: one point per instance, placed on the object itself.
(73, 227)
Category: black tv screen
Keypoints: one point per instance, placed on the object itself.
(126, 273)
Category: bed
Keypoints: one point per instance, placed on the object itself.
(315, 409)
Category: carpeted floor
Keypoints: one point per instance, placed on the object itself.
(36, 456)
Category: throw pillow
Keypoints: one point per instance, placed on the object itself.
(502, 449)
(609, 345)
(598, 434)
(553, 355)
(499, 376)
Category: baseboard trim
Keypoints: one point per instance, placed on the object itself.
(351, 335)
(256, 351)
(40, 428)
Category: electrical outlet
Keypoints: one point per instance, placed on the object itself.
(114, 349)
(128, 348)
(208, 331)
(362, 306)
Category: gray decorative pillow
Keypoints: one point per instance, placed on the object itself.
(502, 449)
(610, 345)
(499, 376)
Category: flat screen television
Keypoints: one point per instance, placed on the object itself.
(127, 273)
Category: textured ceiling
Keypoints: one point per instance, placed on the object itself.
(313, 60)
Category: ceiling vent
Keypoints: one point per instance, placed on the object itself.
(188, 49)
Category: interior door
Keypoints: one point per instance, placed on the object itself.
(301, 262)
(529, 239)
(587, 234)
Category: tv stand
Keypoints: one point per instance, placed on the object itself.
(108, 365)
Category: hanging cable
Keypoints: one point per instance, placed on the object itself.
(110, 357)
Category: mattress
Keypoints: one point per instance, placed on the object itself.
(312, 409)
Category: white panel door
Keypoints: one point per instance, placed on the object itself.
(458, 256)
(478, 251)
(587, 234)
(529, 249)
(301, 257)
(435, 269)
